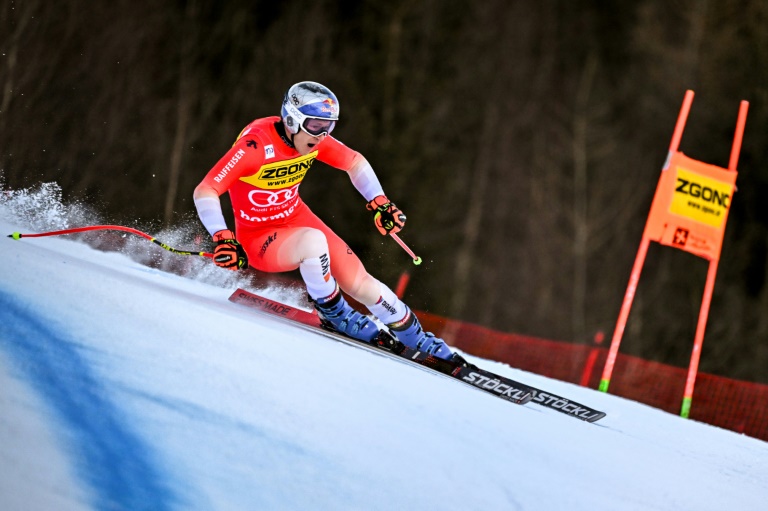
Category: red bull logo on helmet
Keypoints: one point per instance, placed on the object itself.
(330, 106)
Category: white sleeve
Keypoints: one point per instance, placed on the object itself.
(209, 211)
(364, 179)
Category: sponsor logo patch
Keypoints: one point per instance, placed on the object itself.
(701, 198)
(388, 307)
(501, 388)
(269, 199)
(325, 263)
(281, 174)
(681, 236)
(255, 218)
(267, 243)
(229, 166)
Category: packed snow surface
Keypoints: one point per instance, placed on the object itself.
(127, 387)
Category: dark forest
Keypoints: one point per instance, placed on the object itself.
(523, 139)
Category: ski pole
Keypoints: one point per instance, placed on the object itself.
(416, 259)
(18, 235)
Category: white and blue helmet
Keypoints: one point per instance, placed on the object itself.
(311, 107)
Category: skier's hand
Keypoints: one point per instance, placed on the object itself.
(229, 253)
(386, 216)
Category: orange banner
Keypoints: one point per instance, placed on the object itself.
(691, 205)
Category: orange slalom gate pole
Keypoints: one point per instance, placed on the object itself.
(589, 365)
(402, 283)
(674, 145)
(626, 305)
(693, 367)
(637, 268)
(738, 136)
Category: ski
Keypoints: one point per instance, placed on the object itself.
(386, 345)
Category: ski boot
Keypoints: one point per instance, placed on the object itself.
(408, 331)
(337, 315)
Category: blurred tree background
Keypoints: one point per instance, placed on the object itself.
(523, 139)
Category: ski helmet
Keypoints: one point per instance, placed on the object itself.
(310, 106)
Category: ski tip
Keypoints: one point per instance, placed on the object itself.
(596, 417)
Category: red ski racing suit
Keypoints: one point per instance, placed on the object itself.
(262, 173)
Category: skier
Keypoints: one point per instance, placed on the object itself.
(277, 232)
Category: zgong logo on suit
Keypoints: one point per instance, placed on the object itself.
(281, 174)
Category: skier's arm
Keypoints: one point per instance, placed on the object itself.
(364, 179)
(387, 217)
(235, 163)
(209, 210)
(336, 154)
(229, 253)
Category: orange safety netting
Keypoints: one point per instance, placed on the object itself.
(724, 402)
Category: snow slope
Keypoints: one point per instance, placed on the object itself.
(123, 387)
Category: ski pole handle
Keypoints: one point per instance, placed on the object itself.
(416, 259)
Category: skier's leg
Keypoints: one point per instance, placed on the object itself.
(306, 248)
(309, 247)
(380, 300)
(405, 325)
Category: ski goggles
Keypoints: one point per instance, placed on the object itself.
(317, 127)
